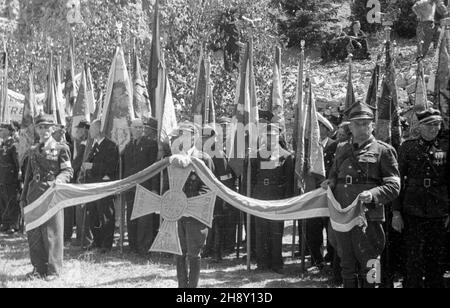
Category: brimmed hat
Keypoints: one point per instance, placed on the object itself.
(137, 123)
(360, 111)
(429, 116)
(45, 119)
(224, 120)
(185, 127)
(83, 124)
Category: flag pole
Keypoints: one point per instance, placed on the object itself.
(120, 196)
(249, 165)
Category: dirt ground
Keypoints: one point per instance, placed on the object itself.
(116, 270)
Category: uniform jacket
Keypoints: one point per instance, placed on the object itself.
(273, 178)
(137, 156)
(47, 163)
(329, 153)
(370, 166)
(223, 171)
(105, 160)
(194, 186)
(424, 170)
(9, 163)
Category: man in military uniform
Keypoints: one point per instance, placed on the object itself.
(49, 163)
(222, 224)
(423, 207)
(365, 169)
(192, 233)
(139, 154)
(102, 166)
(9, 181)
(272, 179)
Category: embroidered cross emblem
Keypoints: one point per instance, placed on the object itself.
(172, 206)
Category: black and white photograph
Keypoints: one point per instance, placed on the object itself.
(233, 146)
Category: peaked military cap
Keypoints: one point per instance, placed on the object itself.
(224, 120)
(360, 111)
(83, 124)
(429, 116)
(45, 119)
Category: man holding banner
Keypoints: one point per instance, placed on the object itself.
(365, 169)
(49, 163)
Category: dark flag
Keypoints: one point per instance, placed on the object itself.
(244, 134)
(27, 134)
(141, 101)
(155, 63)
(442, 86)
(388, 123)
(4, 110)
(70, 91)
(203, 104)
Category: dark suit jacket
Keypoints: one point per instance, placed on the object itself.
(105, 162)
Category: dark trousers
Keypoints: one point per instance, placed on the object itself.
(269, 243)
(357, 247)
(336, 261)
(231, 221)
(47, 246)
(192, 234)
(102, 220)
(9, 206)
(69, 222)
(214, 242)
(81, 214)
(314, 239)
(142, 231)
(424, 239)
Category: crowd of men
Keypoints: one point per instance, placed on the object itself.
(405, 192)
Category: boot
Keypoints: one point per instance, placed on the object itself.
(182, 272)
(194, 272)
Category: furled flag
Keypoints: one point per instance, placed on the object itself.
(309, 149)
(372, 92)
(162, 106)
(90, 97)
(51, 104)
(155, 63)
(70, 91)
(244, 125)
(203, 103)
(141, 101)
(60, 102)
(81, 110)
(27, 133)
(350, 98)
(442, 85)
(421, 101)
(118, 112)
(4, 110)
(388, 122)
(276, 103)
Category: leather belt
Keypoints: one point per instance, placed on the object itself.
(425, 182)
(39, 178)
(349, 180)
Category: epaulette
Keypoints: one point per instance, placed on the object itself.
(387, 145)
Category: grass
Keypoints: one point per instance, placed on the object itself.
(116, 270)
